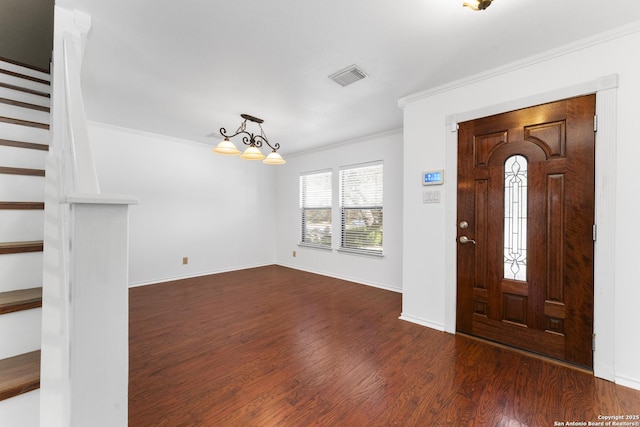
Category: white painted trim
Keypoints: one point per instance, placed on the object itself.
(147, 134)
(76, 140)
(627, 382)
(316, 246)
(98, 315)
(214, 139)
(605, 244)
(100, 199)
(191, 276)
(588, 42)
(345, 278)
(82, 21)
(422, 322)
(244, 267)
(21, 410)
(605, 199)
(343, 143)
(585, 88)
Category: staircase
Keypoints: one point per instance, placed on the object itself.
(24, 139)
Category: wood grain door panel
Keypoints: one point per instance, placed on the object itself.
(551, 310)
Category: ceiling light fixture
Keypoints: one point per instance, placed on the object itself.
(254, 142)
(478, 4)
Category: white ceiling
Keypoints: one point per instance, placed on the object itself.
(185, 69)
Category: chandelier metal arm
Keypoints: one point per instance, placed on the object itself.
(223, 132)
(250, 138)
(260, 139)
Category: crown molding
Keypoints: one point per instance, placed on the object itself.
(585, 43)
(392, 132)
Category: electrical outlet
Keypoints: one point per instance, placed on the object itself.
(294, 254)
(185, 260)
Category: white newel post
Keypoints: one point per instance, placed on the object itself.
(99, 350)
(85, 310)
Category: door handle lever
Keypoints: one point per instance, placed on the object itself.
(465, 239)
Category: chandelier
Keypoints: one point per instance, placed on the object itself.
(254, 142)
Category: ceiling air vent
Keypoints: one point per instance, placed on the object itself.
(347, 76)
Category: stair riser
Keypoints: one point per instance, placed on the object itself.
(25, 83)
(29, 98)
(22, 410)
(21, 113)
(18, 188)
(24, 133)
(20, 271)
(20, 332)
(19, 226)
(4, 65)
(17, 157)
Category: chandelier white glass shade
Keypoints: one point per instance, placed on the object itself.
(227, 148)
(253, 141)
(274, 158)
(252, 153)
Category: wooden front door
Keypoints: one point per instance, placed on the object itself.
(525, 229)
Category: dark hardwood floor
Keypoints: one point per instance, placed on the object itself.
(273, 346)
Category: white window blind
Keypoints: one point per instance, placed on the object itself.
(361, 208)
(315, 208)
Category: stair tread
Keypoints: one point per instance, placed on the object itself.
(24, 105)
(25, 77)
(23, 299)
(19, 247)
(25, 90)
(21, 171)
(19, 374)
(21, 205)
(29, 242)
(22, 144)
(24, 122)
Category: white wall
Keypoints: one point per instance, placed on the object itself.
(429, 294)
(225, 213)
(216, 210)
(384, 272)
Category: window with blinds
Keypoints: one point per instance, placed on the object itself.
(315, 208)
(361, 208)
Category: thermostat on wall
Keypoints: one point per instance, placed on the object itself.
(435, 177)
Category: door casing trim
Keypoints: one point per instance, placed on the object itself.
(605, 89)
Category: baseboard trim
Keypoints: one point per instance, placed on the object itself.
(191, 276)
(346, 278)
(422, 322)
(627, 382)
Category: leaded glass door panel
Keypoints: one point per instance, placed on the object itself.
(525, 254)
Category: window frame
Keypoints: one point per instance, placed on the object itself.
(316, 205)
(347, 206)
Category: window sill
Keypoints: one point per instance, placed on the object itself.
(362, 252)
(312, 246)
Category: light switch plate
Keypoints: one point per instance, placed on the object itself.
(431, 197)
